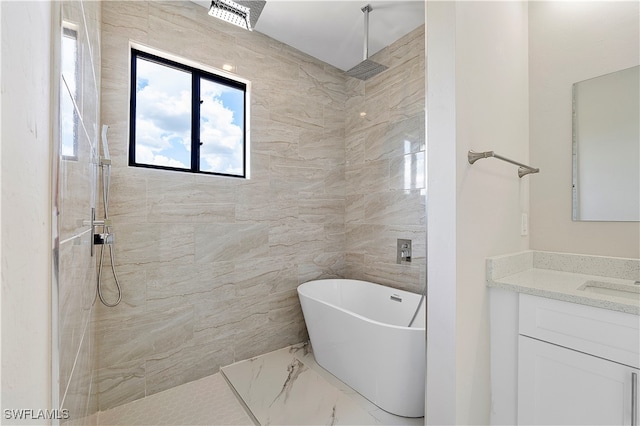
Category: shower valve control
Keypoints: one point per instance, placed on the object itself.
(98, 239)
(403, 251)
(101, 239)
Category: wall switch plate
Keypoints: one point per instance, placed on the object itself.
(524, 224)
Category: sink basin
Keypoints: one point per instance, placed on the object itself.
(627, 291)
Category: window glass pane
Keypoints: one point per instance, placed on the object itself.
(221, 128)
(68, 90)
(163, 115)
(187, 119)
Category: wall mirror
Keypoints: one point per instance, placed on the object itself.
(606, 147)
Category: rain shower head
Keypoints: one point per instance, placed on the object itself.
(256, 7)
(231, 12)
(367, 68)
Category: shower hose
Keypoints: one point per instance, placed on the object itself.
(106, 182)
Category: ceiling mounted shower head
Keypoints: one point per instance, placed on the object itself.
(367, 68)
(256, 7)
(231, 12)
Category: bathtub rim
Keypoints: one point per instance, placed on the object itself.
(400, 327)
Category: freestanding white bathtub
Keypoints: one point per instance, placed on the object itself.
(359, 333)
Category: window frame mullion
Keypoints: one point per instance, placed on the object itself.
(132, 108)
(195, 122)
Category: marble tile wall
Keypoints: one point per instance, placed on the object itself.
(209, 265)
(76, 193)
(385, 165)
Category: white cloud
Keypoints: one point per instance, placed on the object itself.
(222, 140)
(163, 115)
(146, 156)
(163, 121)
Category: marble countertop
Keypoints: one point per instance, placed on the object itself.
(565, 286)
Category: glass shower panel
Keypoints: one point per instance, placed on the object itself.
(75, 186)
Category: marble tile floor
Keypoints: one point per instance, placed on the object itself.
(208, 401)
(288, 387)
(284, 387)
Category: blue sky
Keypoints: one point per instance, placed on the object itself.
(163, 120)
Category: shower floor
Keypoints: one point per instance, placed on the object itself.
(284, 387)
(207, 401)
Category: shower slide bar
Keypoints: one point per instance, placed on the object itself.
(523, 170)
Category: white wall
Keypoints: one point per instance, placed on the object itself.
(490, 87)
(571, 42)
(0, 211)
(441, 214)
(25, 195)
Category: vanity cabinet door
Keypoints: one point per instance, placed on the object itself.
(560, 386)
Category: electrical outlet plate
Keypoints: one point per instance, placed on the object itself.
(524, 224)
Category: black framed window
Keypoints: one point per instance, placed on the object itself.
(186, 119)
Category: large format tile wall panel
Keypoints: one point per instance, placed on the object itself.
(76, 191)
(385, 167)
(209, 265)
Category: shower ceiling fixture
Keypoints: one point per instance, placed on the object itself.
(367, 68)
(331, 30)
(231, 12)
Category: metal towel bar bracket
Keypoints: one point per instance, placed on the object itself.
(523, 170)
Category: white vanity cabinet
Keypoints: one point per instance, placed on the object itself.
(559, 386)
(577, 365)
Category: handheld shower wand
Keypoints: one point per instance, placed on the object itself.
(105, 144)
(105, 163)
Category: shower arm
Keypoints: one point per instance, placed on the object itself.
(366, 11)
